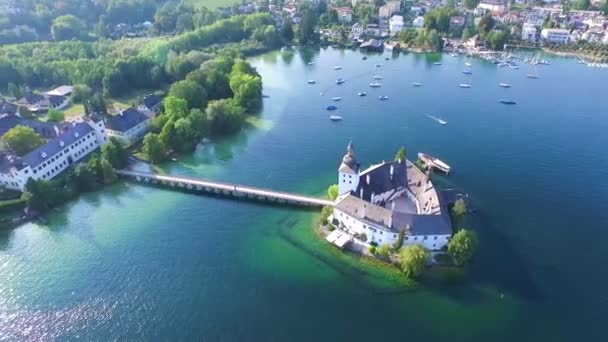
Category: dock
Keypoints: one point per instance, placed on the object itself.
(338, 238)
(236, 191)
(434, 163)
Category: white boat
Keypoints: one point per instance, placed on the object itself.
(312, 81)
(362, 93)
(337, 98)
(311, 63)
(378, 65)
(453, 54)
(464, 85)
(375, 85)
(467, 64)
(433, 162)
(337, 67)
(335, 117)
(439, 121)
(437, 63)
(504, 85)
(383, 98)
(340, 81)
(417, 84)
(377, 77)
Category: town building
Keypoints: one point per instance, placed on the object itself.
(64, 90)
(46, 130)
(345, 14)
(74, 142)
(372, 45)
(378, 203)
(39, 103)
(396, 24)
(528, 32)
(418, 22)
(151, 103)
(390, 8)
(495, 7)
(559, 36)
(372, 30)
(128, 126)
(356, 30)
(7, 108)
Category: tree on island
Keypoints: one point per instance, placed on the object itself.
(21, 140)
(486, 23)
(55, 115)
(459, 209)
(462, 246)
(287, 31)
(153, 148)
(332, 192)
(413, 259)
(194, 94)
(401, 154)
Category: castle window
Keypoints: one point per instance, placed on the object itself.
(435, 238)
(426, 237)
(407, 238)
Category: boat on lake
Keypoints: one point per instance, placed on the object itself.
(504, 85)
(508, 102)
(464, 85)
(340, 81)
(335, 117)
(417, 84)
(337, 67)
(387, 59)
(362, 93)
(439, 121)
(433, 162)
(311, 63)
(375, 85)
(331, 107)
(337, 98)
(378, 65)
(437, 63)
(312, 81)
(364, 57)
(377, 77)
(467, 64)
(467, 72)
(383, 98)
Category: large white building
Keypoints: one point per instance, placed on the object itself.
(528, 32)
(390, 8)
(128, 126)
(396, 24)
(559, 36)
(391, 197)
(418, 22)
(73, 143)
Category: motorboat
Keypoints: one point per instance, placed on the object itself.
(340, 81)
(332, 107)
(467, 64)
(464, 85)
(383, 98)
(335, 117)
(504, 85)
(312, 81)
(378, 65)
(508, 102)
(387, 59)
(362, 93)
(337, 98)
(437, 63)
(375, 85)
(337, 67)
(467, 72)
(439, 121)
(311, 63)
(417, 84)
(377, 77)
(433, 162)
(364, 58)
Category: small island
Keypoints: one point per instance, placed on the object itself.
(393, 211)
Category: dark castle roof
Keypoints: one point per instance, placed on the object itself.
(382, 178)
(125, 120)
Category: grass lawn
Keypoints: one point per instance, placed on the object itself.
(212, 4)
(122, 102)
(73, 110)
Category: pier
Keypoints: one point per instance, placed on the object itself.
(236, 191)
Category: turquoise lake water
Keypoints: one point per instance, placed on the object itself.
(134, 262)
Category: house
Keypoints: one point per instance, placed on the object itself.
(390, 8)
(474, 42)
(42, 103)
(372, 30)
(559, 36)
(528, 32)
(74, 143)
(372, 45)
(496, 7)
(46, 130)
(392, 46)
(128, 126)
(386, 199)
(418, 22)
(356, 30)
(345, 14)
(151, 103)
(396, 24)
(64, 90)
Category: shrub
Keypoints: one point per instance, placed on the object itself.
(372, 249)
(413, 259)
(384, 251)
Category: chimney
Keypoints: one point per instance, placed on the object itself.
(361, 193)
(392, 171)
(367, 179)
(393, 205)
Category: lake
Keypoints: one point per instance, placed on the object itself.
(134, 262)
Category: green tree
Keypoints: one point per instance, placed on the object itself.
(80, 93)
(401, 154)
(384, 251)
(582, 4)
(459, 209)
(413, 259)
(175, 107)
(66, 27)
(496, 40)
(408, 36)
(199, 121)
(153, 148)
(306, 33)
(194, 94)
(462, 246)
(287, 31)
(115, 153)
(466, 34)
(107, 172)
(486, 23)
(224, 117)
(55, 115)
(247, 91)
(39, 194)
(85, 177)
(332, 192)
(470, 4)
(21, 140)
(14, 91)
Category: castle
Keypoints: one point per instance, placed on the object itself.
(387, 198)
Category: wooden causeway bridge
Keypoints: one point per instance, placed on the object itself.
(227, 189)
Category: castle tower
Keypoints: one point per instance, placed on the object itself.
(348, 172)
